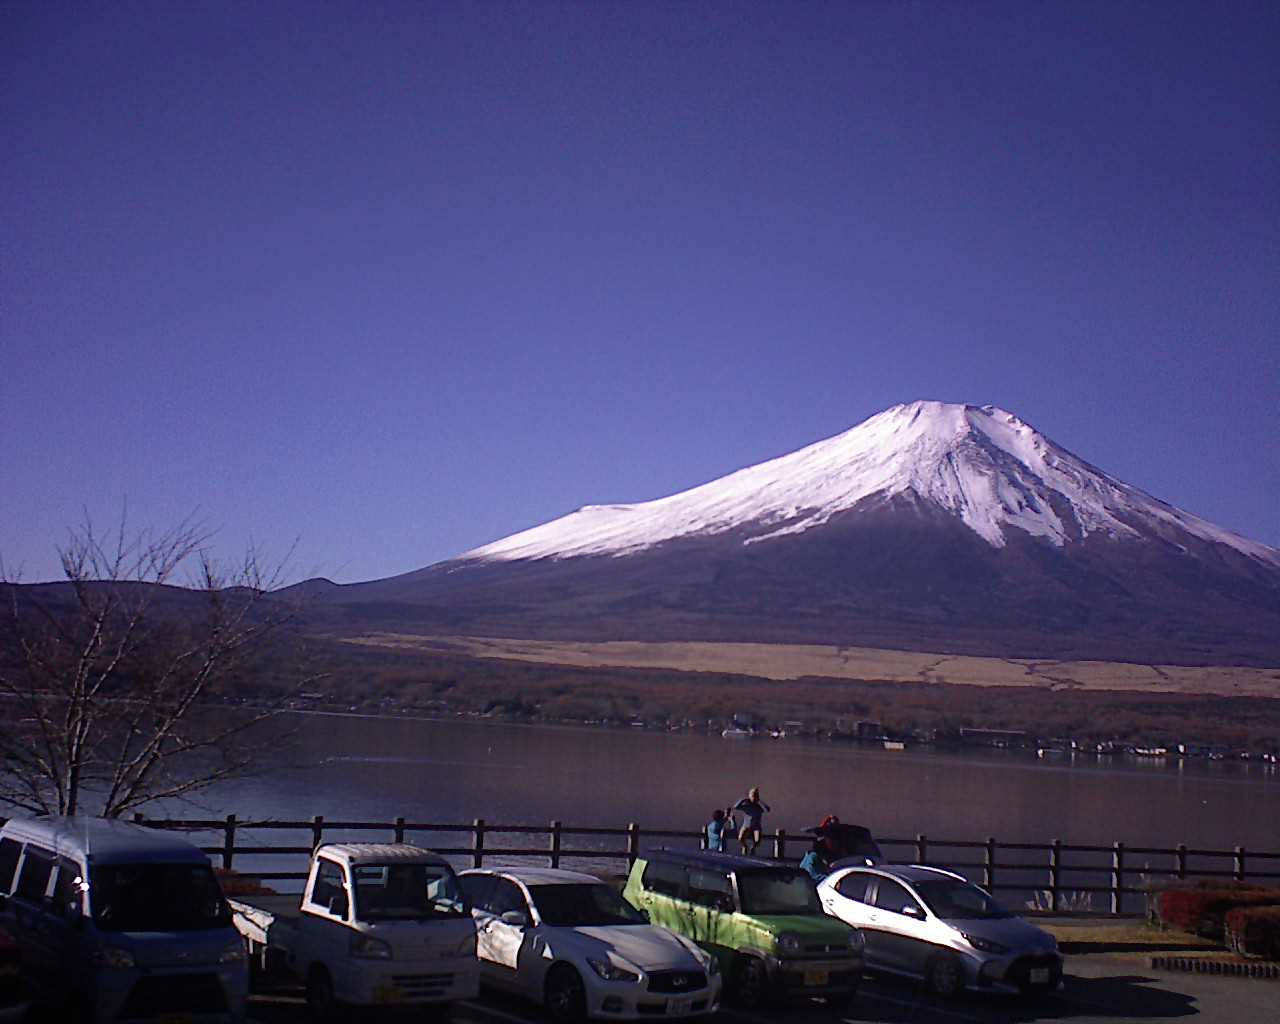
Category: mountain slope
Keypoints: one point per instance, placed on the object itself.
(928, 527)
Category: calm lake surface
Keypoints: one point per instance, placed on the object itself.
(358, 768)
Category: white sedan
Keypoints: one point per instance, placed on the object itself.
(569, 941)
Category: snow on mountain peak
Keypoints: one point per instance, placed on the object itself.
(982, 464)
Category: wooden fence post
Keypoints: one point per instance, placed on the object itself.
(228, 842)
(477, 843)
(922, 848)
(399, 832)
(780, 844)
(1180, 860)
(989, 865)
(633, 843)
(1117, 877)
(1239, 863)
(1055, 873)
(317, 831)
(555, 844)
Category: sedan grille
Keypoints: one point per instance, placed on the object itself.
(677, 981)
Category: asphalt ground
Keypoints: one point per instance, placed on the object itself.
(1097, 989)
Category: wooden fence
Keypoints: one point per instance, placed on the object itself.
(1063, 877)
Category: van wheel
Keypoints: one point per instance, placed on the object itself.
(322, 1004)
(565, 997)
(750, 983)
(944, 976)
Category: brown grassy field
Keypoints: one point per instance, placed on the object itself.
(783, 662)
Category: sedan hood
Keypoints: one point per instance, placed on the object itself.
(648, 947)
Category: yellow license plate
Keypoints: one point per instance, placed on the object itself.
(177, 1017)
(816, 977)
(388, 995)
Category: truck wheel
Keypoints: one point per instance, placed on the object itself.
(944, 976)
(750, 983)
(322, 1004)
(566, 998)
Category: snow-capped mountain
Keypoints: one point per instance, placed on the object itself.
(929, 527)
(982, 465)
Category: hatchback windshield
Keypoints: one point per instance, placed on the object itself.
(407, 892)
(778, 892)
(582, 906)
(156, 898)
(951, 899)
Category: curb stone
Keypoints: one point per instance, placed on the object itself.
(1203, 965)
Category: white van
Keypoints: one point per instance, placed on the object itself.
(120, 923)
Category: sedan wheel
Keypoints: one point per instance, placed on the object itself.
(945, 976)
(566, 999)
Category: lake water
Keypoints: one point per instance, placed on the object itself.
(359, 768)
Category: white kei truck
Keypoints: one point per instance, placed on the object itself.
(378, 925)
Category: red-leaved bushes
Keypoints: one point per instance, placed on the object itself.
(235, 884)
(1202, 909)
(1254, 931)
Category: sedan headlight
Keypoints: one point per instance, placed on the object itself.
(368, 948)
(985, 945)
(790, 944)
(713, 965)
(611, 972)
(857, 941)
(112, 956)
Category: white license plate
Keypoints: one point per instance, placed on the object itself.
(816, 977)
(1038, 976)
(679, 1007)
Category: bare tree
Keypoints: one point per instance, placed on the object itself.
(101, 673)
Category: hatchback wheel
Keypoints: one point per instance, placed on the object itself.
(750, 983)
(945, 976)
(566, 998)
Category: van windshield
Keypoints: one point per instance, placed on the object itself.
(386, 892)
(156, 898)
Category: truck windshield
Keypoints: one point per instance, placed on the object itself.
(156, 898)
(778, 892)
(407, 892)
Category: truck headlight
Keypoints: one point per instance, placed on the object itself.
(369, 948)
(611, 972)
(232, 953)
(112, 956)
(790, 944)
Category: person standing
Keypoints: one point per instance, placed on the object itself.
(720, 826)
(752, 830)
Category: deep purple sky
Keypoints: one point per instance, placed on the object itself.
(398, 279)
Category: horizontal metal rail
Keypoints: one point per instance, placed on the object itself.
(1063, 877)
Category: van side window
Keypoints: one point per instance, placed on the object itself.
(667, 879)
(68, 897)
(33, 878)
(9, 850)
(710, 889)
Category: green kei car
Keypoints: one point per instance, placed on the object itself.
(760, 918)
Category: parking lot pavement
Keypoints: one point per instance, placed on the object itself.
(1098, 989)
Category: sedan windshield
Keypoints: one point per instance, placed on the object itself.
(156, 898)
(954, 900)
(583, 906)
(407, 892)
(778, 892)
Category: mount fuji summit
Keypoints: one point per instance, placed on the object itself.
(929, 526)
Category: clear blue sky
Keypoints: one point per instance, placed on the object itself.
(398, 279)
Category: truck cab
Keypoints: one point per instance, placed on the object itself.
(120, 923)
(378, 924)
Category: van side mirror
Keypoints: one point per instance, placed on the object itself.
(515, 918)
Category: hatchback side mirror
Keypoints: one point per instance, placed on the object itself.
(913, 911)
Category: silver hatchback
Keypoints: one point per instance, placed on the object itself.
(933, 924)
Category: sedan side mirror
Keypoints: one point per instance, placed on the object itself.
(515, 918)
